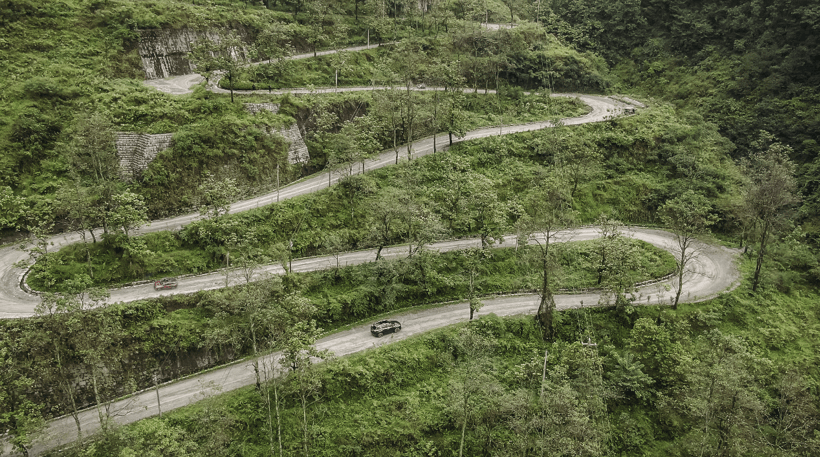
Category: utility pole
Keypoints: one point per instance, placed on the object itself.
(277, 181)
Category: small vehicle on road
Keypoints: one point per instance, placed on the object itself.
(383, 327)
(165, 283)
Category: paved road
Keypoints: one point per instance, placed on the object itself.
(713, 272)
(15, 303)
(180, 85)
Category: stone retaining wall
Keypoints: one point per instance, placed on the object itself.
(297, 149)
(137, 150)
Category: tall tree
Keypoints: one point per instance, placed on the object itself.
(453, 190)
(387, 111)
(488, 213)
(472, 386)
(617, 263)
(226, 54)
(61, 314)
(282, 325)
(95, 333)
(319, 12)
(576, 155)
(548, 214)
(21, 415)
(688, 216)
(217, 196)
(454, 119)
(274, 45)
(386, 216)
(93, 162)
(128, 212)
(408, 59)
(473, 266)
(304, 383)
(75, 202)
(769, 192)
(722, 397)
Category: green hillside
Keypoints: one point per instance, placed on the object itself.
(722, 150)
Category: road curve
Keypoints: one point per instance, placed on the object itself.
(182, 84)
(16, 303)
(713, 271)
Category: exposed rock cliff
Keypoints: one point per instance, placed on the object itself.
(164, 52)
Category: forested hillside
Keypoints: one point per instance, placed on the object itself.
(746, 66)
(716, 148)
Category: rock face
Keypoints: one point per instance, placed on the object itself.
(297, 149)
(164, 52)
(137, 150)
(254, 108)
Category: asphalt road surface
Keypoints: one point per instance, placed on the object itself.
(16, 303)
(714, 271)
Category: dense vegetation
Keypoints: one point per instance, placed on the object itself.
(602, 162)
(51, 92)
(745, 66)
(698, 380)
(174, 336)
(728, 145)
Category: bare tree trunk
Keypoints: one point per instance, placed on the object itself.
(304, 426)
(395, 148)
(409, 123)
(69, 390)
(278, 418)
(680, 276)
(547, 305)
(97, 400)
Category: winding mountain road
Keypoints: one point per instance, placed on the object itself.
(714, 272)
(17, 303)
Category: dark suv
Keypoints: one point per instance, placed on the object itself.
(383, 327)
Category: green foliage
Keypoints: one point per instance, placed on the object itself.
(658, 383)
(745, 66)
(642, 390)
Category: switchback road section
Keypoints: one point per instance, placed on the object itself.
(713, 271)
(16, 302)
